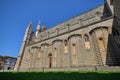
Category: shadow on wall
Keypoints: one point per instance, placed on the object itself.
(113, 47)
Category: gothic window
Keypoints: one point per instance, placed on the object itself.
(55, 52)
(74, 49)
(101, 44)
(66, 46)
(87, 42)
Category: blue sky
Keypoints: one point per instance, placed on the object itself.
(15, 15)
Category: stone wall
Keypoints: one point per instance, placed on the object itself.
(36, 55)
(85, 42)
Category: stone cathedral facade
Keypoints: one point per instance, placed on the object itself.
(87, 40)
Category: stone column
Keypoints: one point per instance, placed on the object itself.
(79, 50)
(68, 55)
(60, 52)
(45, 55)
(42, 57)
(62, 56)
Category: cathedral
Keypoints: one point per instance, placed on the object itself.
(91, 40)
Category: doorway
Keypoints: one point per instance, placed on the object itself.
(50, 60)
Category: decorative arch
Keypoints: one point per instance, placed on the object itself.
(74, 35)
(44, 44)
(74, 49)
(86, 37)
(56, 40)
(34, 47)
(65, 46)
(97, 28)
(100, 37)
(66, 42)
(87, 41)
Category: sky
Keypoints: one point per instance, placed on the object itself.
(15, 15)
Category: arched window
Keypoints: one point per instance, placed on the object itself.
(101, 44)
(66, 46)
(87, 42)
(86, 38)
(74, 49)
(50, 60)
